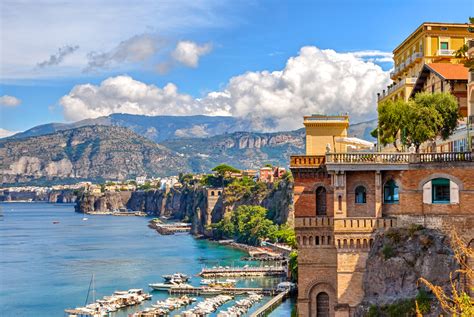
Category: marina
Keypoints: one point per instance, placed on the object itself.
(245, 271)
(116, 249)
(170, 228)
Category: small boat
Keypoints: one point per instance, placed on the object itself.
(166, 286)
(55, 222)
(85, 219)
(177, 277)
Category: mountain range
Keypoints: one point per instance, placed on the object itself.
(121, 146)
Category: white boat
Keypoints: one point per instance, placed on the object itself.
(167, 286)
(85, 219)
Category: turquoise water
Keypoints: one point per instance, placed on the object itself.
(46, 267)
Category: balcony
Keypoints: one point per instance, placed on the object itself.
(445, 52)
(416, 56)
(396, 86)
(390, 161)
(306, 161)
(368, 225)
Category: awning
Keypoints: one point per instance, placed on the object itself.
(355, 142)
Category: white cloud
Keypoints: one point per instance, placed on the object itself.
(374, 56)
(4, 133)
(188, 52)
(9, 101)
(314, 81)
(138, 48)
(57, 58)
(122, 94)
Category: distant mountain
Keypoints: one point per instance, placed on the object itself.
(92, 152)
(164, 128)
(112, 151)
(362, 130)
(155, 128)
(241, 149)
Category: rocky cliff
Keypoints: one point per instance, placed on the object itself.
(190, 203)
(92, 152)
(396, 261)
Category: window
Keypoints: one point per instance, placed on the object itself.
(390, 192)
(360, 195)
(322, 305)
(444, 45)
(440, 191)
(321, 201)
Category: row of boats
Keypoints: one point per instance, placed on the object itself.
(241, 307)
(208, 306)
(163, 308)
(108, 304)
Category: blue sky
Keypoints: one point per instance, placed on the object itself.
(240, 58)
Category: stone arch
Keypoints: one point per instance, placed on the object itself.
(323, 285)
(298, 240)
(316, 242)
(310, 242)
(219, 193)
(329, 240)
(305, 240)
(212, 193)
(322, 304)
(440, 175)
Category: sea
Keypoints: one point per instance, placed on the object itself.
(48, 255)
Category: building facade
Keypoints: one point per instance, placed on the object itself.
(342, 199)
(429, 43)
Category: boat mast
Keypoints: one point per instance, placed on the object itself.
(91, 287)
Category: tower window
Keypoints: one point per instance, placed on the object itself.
(390, 192)
(360, 195)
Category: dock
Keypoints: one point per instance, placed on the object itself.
(170, 228)
(201, 290)
(244, 271)
(270, 305)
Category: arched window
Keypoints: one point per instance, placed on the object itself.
(212, 193)
(321, 201)
(440, 191)
(322, 305)
(390, 192)
(360, 195)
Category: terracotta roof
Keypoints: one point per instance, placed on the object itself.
(450, 71)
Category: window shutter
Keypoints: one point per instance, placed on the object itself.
(427, 195)
(454, 192)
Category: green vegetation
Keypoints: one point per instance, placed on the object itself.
(423, 300)
(388, 252)
(250, 225)
(420, 119)
(414, 228)
(293, 265)
(462, 51)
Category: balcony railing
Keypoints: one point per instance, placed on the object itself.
(401, 83)
(314, 222)
(363, 224)
(416, 56)
(306, 161)
(397, 158)
(445, 52)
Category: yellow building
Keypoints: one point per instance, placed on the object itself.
(429, 43)
(322, 131)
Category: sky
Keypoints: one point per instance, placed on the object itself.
(268, 61)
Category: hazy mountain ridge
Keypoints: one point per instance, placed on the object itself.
(91, 152)
(108, 151)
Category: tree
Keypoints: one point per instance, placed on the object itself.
(223, 170)
(392, 119)
(462, 51)
(418, 120)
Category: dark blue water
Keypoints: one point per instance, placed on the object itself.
(46, 267)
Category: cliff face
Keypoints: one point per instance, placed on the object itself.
(93, 152)
(190, 203)
(396, 261)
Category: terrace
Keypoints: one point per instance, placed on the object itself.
(376, 160)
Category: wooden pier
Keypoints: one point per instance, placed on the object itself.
(202, 290)
(170, 228)
(244, 271)
(270, 305)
